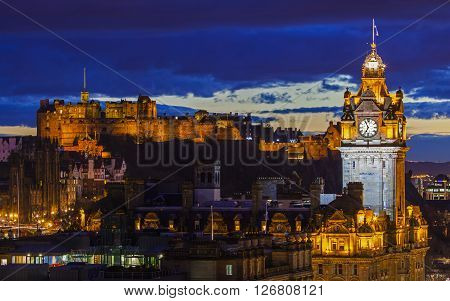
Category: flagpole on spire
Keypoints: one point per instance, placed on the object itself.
(373, 31)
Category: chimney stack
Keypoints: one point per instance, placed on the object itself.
(315, 190)
(256, 202)
(187, 195)
(187, 192)
(356, 191)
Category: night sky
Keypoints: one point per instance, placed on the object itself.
(277, 59)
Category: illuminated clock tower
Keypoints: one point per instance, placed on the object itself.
(373, 147)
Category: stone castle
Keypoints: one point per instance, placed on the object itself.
(75, 125)
(70, 122)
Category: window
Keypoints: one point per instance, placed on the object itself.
(171, 224)
(237, 225)
(355, 270)
(202, 178)
(298, 226)
(338, 269)
(341, 245)
(334, 245)
(197, 225)
(263, 225)
(354, 164)
(320, 269)
(229, 270)
(4, 261)
(209, 178)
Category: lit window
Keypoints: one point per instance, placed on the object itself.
(298, 226)
(237, 225)
(171, 224)
(4, 261)
(229, 269)
(263, 226)
(333, 245)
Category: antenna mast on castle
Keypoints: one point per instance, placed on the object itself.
(84, 79)
(84, 92)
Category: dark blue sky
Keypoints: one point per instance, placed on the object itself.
(182, 47)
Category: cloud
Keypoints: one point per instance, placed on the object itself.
(417, 110)
(270, 98)
(17, 131)
(281, 96)
(213, 58)
(428, 110)
(181, 14)
(335, 110)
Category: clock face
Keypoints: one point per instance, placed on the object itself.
(372, 64)
(368, 128)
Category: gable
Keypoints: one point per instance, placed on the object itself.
(337, 216)
(368, 106)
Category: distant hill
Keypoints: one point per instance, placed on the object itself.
(174, 110)
(181, 111)
(431, 168)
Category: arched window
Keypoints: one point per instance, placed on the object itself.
(209, 178)
(202, 178)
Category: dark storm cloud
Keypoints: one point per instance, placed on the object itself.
(206, 61)
(335, 110)
(182, 14)
(201, 47)
(420, 110)
(271, 98)
(428, 110)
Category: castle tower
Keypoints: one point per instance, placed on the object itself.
(373, 146)
(84, 92)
